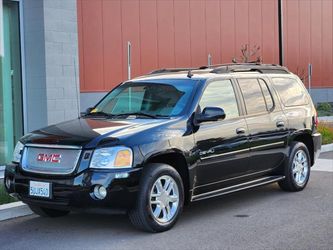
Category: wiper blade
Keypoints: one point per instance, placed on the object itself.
(99, 113)
(141, 114)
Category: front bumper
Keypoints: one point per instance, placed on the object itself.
(76, 192)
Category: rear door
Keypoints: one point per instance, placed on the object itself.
(223, 145)
(266, 122)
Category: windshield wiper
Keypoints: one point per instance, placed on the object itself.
(99, 113)
(141, 114)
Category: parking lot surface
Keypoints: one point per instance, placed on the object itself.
(261, 218)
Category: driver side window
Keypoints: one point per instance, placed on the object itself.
(220, 94)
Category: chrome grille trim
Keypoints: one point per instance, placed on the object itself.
(52, 146)
(69, 161)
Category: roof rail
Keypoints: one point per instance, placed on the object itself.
(230, 68)
(170, 70)
(175, 70)
(251, 67)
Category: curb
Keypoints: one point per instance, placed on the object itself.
(2, 172)
(325, 118)
(14, 210)
(326, 148)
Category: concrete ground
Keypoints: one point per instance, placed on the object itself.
(261, 218)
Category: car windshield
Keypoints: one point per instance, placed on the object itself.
(147, 99)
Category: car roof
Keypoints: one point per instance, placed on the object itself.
(208, 72)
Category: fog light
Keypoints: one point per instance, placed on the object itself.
(8, 183)
(121, 175)
(100, 192)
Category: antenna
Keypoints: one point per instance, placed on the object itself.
(77, 90)
(129, 54)
(189, 73)
(209, 60)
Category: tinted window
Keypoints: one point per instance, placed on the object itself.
(290, 91)
(253, 97)
(267, 94)
(220, 94)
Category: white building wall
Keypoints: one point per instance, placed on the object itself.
(51, 61)
(61, 59)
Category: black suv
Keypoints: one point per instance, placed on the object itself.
(166, 139)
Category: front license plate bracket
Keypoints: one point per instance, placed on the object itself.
(40, 189)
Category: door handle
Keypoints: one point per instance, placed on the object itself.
(240, 131)
(280, 124)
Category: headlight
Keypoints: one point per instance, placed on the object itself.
(17, 154)
(113, 157)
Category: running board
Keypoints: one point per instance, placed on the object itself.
(239, 187)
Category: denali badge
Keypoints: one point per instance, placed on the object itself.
(54, 158)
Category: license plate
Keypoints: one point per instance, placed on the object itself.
(40, 189)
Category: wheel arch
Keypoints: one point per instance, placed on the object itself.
(177, 160)
(306, 138)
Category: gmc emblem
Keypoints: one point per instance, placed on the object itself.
(54, 158)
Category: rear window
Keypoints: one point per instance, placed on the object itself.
(290, 92)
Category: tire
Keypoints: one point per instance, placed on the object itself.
(48, 212)
(157, 208)
(296, 173)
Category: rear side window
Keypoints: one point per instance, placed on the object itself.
(290, 92)
(253, 96)
(220, 94)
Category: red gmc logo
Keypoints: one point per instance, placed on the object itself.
(54, 158)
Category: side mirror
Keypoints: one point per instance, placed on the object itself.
(211, 114)
(88, 110)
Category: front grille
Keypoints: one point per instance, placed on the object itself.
(45, 159)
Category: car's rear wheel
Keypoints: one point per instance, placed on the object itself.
(48, 212)
(297, 169)
(160, 200)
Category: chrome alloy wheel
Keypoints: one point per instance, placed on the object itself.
(164, 199)
(300, 167)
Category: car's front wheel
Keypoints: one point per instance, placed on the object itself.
(160, 200)
(48, 212)
(297, 169)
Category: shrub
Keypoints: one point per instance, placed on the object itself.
(324, 109)
(326, 131)
(4, 197)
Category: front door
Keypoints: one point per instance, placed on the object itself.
(223, 145)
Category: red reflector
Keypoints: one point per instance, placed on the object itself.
(316, 119)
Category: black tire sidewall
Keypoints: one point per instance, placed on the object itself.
(295, 148)
(153, 172)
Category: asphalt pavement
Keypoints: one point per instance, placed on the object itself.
(261, 218)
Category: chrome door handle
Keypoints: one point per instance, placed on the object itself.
(280, 124)
(240, 131)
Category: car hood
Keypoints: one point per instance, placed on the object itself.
(90, 133)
